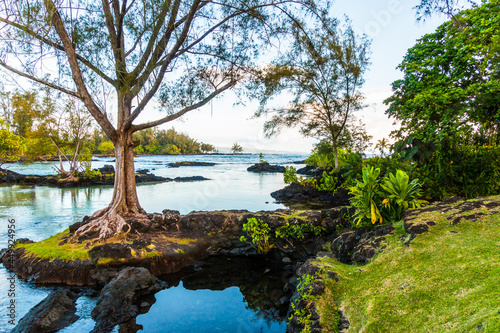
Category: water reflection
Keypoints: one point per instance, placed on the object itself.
(41, 212)
(221, 294)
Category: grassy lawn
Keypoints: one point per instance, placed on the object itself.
(447, 280)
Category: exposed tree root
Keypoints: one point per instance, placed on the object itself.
(107, 223)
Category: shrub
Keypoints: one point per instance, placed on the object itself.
(259, 233)
(297, 230)
(366, 197)
(290, 175)
(385, 201)
(466, 171)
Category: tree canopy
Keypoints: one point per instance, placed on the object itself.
(323, 71)
(184, 53)
(451, 85)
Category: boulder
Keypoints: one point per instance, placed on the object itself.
(310, 171)
(299, 193)
(190, 163)
(55, 312)
(121, 298)
(266, 167)
(107, 169)
(190, 179)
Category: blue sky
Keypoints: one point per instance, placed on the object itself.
(393, 28)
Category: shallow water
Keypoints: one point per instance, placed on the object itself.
(41, 212)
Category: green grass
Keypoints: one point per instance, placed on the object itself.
(50, 249)
(448, 280)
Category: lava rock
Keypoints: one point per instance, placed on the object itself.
(121, 298)
(190, 179)
(299, 193)
(142, 171)
(55, 312)
(190, 163)
(309, 170)
(110, 250)
(266, 167)
(107, 169)
(360, 245)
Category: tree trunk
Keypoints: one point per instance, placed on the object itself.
(335, 153)
(124, 214)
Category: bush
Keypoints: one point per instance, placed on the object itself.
(384, 201)
(259, 233)
(466, 171)
(106, 147)
(290, 175)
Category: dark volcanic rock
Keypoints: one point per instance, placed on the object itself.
(190, 163)
(298, 193)
(105, 178)
(310, 171)
(121, 298)
(360, 245)
(190, 179)
(142, 171)
(110, 250)
(266, 167)
(107, 169)
(55, 312)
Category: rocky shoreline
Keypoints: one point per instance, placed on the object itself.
(105, 177)
(174, 242)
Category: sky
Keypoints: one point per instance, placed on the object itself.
(391, 25)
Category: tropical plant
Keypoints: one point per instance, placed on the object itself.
(400, 194)
(365, 197)
(384, 201)
(259, 232)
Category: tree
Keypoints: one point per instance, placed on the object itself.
(450, 8)
(11, 145)
(236, 148)
(451, 86)
(207, 148)
(323, 69)
(184, 52)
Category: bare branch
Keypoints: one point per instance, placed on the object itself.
(185, 110)
(33, 78)
(60, 48)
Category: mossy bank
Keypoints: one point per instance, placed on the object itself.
(445, 279)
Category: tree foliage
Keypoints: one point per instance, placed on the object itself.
(11, 145)
(450, 90)
(323, 71)
(450, 8)
(184, 53)
(236, 148)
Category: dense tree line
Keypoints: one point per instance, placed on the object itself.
(35, 124)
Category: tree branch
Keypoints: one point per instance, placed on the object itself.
(185, 110)
(46, 83)
(60, 48)
(94, 110)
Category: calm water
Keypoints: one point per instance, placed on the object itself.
(41, 212)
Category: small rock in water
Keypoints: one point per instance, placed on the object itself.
(286, 260)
